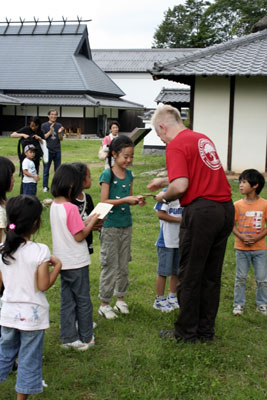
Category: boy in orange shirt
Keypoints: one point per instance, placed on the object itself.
(250, 231)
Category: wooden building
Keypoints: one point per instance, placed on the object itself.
(228, 97)
(49, 65)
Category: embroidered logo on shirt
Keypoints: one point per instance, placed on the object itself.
(209, 154)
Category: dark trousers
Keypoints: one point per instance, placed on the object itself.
(29, 188)
(76, 305)
(52, 157)
(205, 228)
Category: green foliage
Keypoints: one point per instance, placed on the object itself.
(180, 27)
(129, 360)
(201, 23)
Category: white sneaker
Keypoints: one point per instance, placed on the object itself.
(238, 309)
(121, 307)
(173, 302)
(107, 312)
(162, 305)
(77, 345)
(94, 325)
(92, 342)
(45, 189)
(262, 309)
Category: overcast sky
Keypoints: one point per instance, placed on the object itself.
(115, 23)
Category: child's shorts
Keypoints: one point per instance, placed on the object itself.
(168, 261)
(28, 347)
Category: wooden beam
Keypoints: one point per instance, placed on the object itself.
(192, 101)
(231, 123)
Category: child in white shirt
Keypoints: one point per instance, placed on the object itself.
(170, 216)
(30, 176)
(24, 270)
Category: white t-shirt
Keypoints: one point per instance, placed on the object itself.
(30, 166)
(169, 231)
(65, 222)
(24, 306)
(3, 222)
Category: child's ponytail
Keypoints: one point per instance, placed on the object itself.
(23, 219)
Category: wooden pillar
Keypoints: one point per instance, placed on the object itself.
(231, 123)
(192, 102)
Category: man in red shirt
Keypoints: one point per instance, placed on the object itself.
(196, 177)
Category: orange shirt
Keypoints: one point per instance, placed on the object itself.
(250, 219)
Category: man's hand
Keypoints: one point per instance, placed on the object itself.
(159, 196)
(157, 183)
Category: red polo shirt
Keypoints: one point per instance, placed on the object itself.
(194, 156)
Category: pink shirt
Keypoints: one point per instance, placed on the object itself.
(65, 222)
(107, 140)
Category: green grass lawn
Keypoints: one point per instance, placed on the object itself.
(129, 360)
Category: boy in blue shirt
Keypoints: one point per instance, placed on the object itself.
(170, 216)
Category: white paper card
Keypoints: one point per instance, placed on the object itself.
(103, 209)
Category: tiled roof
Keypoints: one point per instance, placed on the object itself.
(134, 60)
(118, 103)
(42, 29)
(8, 100)
(82, 100)
(55, 100)
(246, 55)
(173, 96)
(51, 62)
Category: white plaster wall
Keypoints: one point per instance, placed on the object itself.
(9, 110)
(250, 124)
(211, 112)
(74, 112)
(29, 111)
(141, 88)
(152, 139)
(43, 110)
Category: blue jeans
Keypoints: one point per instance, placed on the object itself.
(168, 261)
(28, 346)
(76, 305)
(56, 158)
(29, 188)
(258, 260)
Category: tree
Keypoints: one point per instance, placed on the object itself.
(180, 27)
(202, 23)
(228, 19)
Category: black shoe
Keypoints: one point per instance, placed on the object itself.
(169, 334)
(205, 339)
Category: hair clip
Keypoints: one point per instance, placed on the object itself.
(12, 227)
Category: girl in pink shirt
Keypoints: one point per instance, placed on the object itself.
(69, 245)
